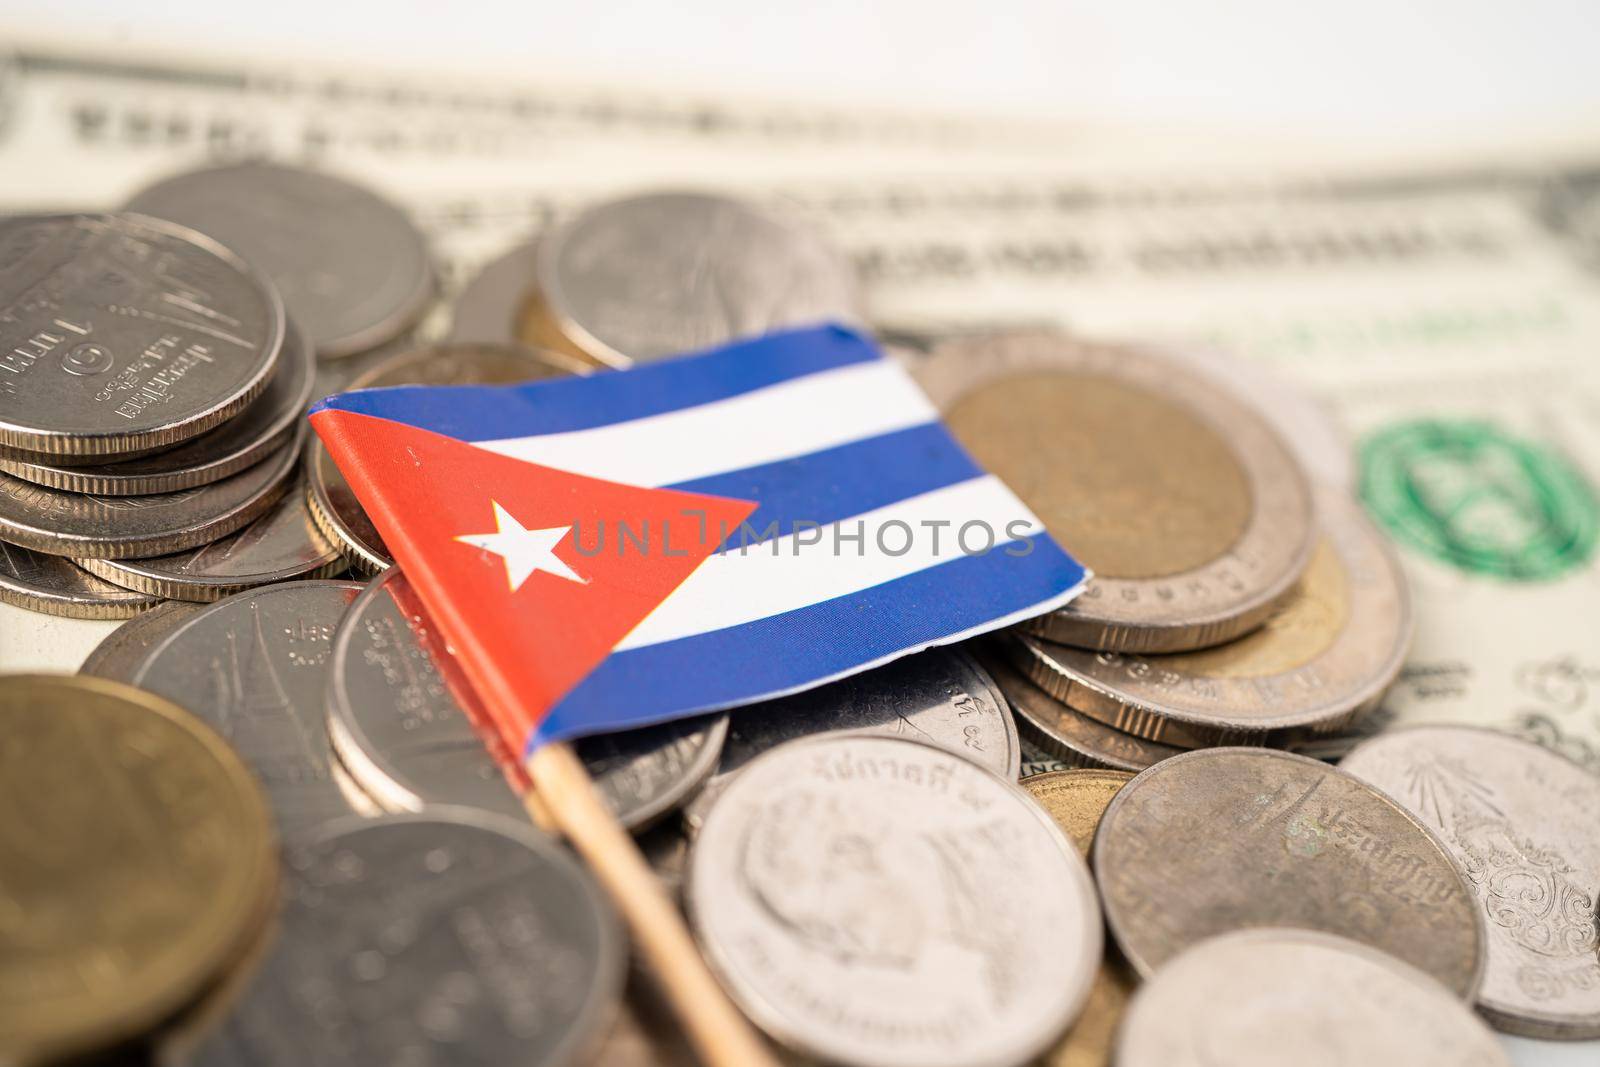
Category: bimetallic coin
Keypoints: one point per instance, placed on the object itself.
(269, 421)
(1228, 838)
(402, 717)
(352, 267)
(127, 892)
(281, 545)
(118, 656)
(643, 277)
(255, 667)
(116, 527)
(486, 309)
(1323, 658)
(333, 504)
(57, 586)
(1524, 826)
(1193, 516)
(939, 697)
(122, 334)
(1074, 739)
(1262, 998)
(457, 939)
(875, 901)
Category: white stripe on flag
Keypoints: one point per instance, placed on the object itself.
(792, 418)
(776, 576)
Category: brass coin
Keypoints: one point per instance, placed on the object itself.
(1229, 838)
(332, 502)
(126, 894)
(1077, 798)
(537, 326)
(1193, 515)
(1323, 659)
(1074, 738)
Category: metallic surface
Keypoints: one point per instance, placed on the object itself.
(123, 334)
(1191, 512)
(1323, 658)
(654, 275)
(1260, 998)
(79, 525)
(281, 545)
(486, 309)
(118, 656)
(1228, 838)
(352, 267)
(939, 697)
(255, 666)
(1077, 798)
(58, 586)
(124, 894)
(453, 939)
(1524, 827)
(875, 901)
(246, 438)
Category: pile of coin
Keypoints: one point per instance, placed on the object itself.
(266, 822)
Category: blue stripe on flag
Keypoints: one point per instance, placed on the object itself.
(559, 405)
(852, 479)
(775, 655)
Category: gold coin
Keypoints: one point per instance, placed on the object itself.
(536, 326)
(124, 895)
(1194, 517)
(1076, 799)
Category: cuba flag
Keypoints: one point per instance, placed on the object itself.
(614, 550)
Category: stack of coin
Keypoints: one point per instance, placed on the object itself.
(1233, 600)
(635, 279)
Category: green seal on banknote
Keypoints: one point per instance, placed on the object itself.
(1474, 496)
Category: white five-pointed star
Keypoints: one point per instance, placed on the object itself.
(522, 550)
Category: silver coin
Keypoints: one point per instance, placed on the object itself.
(402, 717)
(254, 667)
(1524, 826)
(352, 267)
(83, 525)
(939, 697)
(57, 586)
(269, 421)
(359, 799)
(487, 308)
(1324, 658)
(334, 507)
(649, 276)
(280, 545)
(1073, 739)
(1228, 838)
(455, 939)
(119, 655)
(122, 334)
(875, 901)
(1262, 998)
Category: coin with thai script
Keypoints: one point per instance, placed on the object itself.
(255, 666)
(1194, 517)
(874, 900)
(120, 335)
(407, 724)
(269, 421)
(1323, 658)
(334, 506)
(1074, 739)
(1260, 998)
(351, 266)
(643, 277)
(280, 545)
(1227, 838)
(126, 892)
(118, 655)
(82, 525)
(58, 586)
(1524, 826)
(940, 697)
(454, 938)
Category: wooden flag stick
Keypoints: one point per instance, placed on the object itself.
(564, 794)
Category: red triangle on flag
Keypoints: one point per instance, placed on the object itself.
(522, 566)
